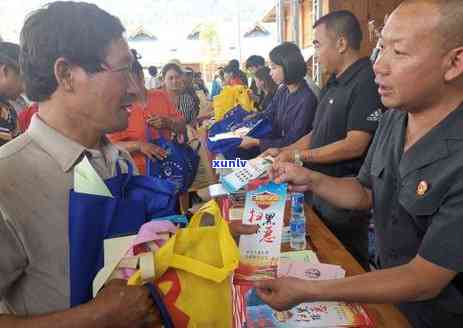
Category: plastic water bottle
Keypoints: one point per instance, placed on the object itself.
(297, 222)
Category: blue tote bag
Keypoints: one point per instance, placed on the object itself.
(93, 218)
(180, 166)
(233, 120)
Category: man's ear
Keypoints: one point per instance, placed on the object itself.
(3, 70)
(64, 74)
(342, 45)
(453, 65)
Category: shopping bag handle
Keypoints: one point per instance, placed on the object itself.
(127, 177)
(208, 208)
(196, 267)
(126, 259)
(157, 299)
(202, 269)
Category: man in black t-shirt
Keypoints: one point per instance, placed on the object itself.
(346, 119)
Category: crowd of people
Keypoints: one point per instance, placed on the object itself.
(380, 142)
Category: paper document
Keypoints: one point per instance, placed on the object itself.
(307, 256)
(260, 252)
(87, 180)
(238, 133)
(310, 271)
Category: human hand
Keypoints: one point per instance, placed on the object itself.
(125, 306)
(248, 142)
(273, 152)
(152, 151)
(159, 122)
(299, 179)
(285, 156)
(282, 293)
(237, 228)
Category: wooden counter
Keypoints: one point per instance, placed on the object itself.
(330, 250)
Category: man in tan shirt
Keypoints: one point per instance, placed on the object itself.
(76, 65)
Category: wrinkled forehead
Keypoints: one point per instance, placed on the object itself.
(412, 24)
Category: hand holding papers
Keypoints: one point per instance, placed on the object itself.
(241, 177)
(307, 315)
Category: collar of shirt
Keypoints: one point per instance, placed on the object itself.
(65, 151)
(302, 87)
(349, 73)
(450, 126)
(434, 145)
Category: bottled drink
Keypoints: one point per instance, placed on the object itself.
(297, 222)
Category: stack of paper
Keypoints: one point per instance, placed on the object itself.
(306, 256)
(260, 252)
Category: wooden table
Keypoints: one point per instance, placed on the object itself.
(330, 250)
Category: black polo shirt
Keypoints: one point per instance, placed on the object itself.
(350, 102)
(418, 207)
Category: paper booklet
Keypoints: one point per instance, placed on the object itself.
(260, 253)
(307, 256)
(310, 271)
(308, 315)
(238, 133)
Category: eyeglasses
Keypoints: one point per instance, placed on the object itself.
(127, 68)
(130, 77)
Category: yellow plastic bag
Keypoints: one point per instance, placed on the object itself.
(243, 99)
(230, 97)
(193, 272)
(223, 102)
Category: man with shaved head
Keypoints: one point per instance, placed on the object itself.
(412, 176)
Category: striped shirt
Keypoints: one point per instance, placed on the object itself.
(188, 107)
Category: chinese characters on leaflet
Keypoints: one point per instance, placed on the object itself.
(260, 253)
(308, 315)
(266, 225)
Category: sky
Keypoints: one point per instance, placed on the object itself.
(157, 16)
